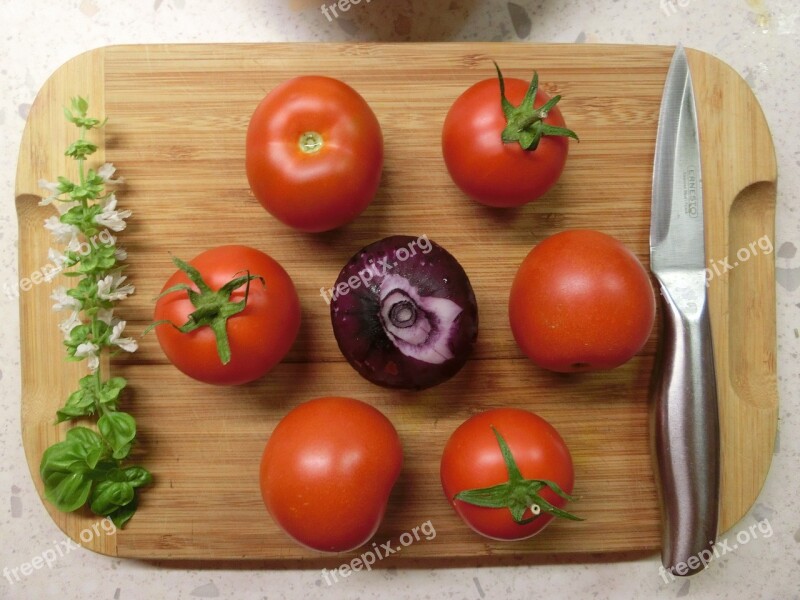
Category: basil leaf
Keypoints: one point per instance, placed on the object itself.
(91, 442)
(65, 469)
(69, 492)
(109, 496)
(85, 436)
(64, 457)
(79, 105)
(79, 404)
(123, 451)
(69, 412)
(109, 394)
(64, 184)
(124, 513)
(75, 215)
(137, 476)
(118, 429)
(100, 259)
(106, 469)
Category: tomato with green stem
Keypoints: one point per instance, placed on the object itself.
(228, 316)
(507, 473)
(505, 141)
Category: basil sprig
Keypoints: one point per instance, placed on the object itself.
(90, 467)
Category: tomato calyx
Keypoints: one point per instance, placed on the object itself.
(517, 494)
(525, 123)
(213, 308)
(310, 142)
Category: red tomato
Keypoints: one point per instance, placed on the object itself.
(314, 153)
(327, 472)
(259, 336)
(489, 170)
(473, 460)
(581, 301)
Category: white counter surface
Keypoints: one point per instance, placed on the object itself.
(759, 38)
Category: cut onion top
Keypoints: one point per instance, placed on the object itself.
(404, 313)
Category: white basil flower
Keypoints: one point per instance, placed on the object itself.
(111, 288)
(63, 300)
(106, 237)
(61, 232)
(106, 315)
(89, 350)
(111, 217)
(71, 322)
(53, 199)
(106, 172)
(56, 257)
(74, 246)
(127, 344)
(51, 187)
(49, 272)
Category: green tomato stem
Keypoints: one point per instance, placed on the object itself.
(525, 123)
(213, 308)
(517, 494)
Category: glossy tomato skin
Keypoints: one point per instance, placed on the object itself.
(260, 336)
(327, 472)
(472, 460)
(321, 190)
(486, 169)
(581, 301)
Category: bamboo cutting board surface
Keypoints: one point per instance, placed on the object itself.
(176, 130)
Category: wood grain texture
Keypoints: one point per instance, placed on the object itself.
(178, 116)
(740, 178)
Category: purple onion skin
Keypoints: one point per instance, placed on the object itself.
(408, 319)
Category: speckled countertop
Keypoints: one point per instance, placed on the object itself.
(759, 38)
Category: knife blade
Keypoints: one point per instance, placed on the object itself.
(684, 393)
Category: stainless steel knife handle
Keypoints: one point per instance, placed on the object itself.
(687, 434)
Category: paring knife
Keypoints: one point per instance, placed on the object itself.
(684, 386)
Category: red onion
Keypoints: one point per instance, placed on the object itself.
(404, 313)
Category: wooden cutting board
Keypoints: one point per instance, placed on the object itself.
(176, 130)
